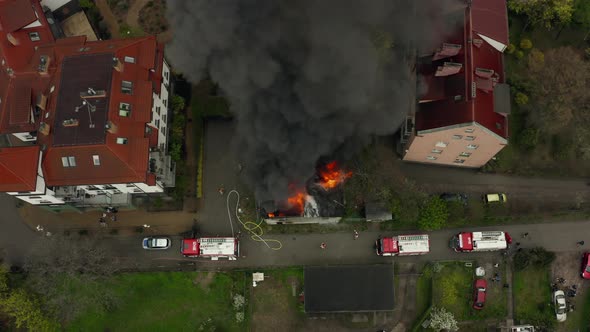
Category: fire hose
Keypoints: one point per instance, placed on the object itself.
(251, 227)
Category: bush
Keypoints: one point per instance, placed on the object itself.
(536, 59)
(538, 257)
(526, 44)
(433, 215)
(510, 49)
(528, 138)
(521, 99)
(519, 54)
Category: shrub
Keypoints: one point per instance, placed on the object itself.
(528, 138)
(538, 257)
(510, 49)
(521, 99)
(526, 44)
(519, 54)
(433, 215)
(536, 59)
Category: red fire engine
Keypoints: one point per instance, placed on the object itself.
(480, 241)
(403, 245)
(211, 247)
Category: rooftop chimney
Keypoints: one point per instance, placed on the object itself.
(117, 64)
(111, 127)
(71, 123)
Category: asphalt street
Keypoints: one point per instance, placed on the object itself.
(343, 249)
(15, 236)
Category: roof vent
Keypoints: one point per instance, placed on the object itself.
(44, 61)
(44, 128)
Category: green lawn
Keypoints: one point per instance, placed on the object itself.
(423, 297)
(453, 290)
(174, 301)
(532, 296)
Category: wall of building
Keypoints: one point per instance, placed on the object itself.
(468, 145)
(160, 114)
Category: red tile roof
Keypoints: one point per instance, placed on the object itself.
(18, 168)
(483, 69)
(490, 19)
(15, 14)
(119, 163)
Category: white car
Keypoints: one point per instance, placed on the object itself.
(560, 305)
(156, 243)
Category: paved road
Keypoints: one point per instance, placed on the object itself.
(343, 249)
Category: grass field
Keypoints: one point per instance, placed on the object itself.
(423, 297)
(579, 320)
(532, 296)
(453, 290)
(174, 301)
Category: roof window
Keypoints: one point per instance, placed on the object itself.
(127, 87)
(459, 161)
(436, 151)
(472, 146)
(457, 136)
(465, 154)
(470, 138)
(96, 160)
(129, 59)
(121, 140)
(469, 130)
(34, 36)
(431, 157)
(124, 109)
(441, 144)
(69, 161)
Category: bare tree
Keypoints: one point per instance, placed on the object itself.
(72, 274)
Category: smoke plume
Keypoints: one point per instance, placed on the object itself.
(304, 78)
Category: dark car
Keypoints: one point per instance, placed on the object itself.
(586, 265)
(454, 197)
(479, 293)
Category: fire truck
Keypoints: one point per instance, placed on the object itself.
(403, 245)
(211, 247)
(480, 241)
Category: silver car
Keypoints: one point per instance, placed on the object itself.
(156, 243)
(560, 305)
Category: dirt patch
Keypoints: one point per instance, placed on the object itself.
(152, 18)
(274, 308)
(204, 280)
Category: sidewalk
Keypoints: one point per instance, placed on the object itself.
(128, 221)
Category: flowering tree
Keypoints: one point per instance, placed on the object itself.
(441, 319)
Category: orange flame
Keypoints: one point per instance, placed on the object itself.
(271, 215)
(297, 201)
(332, 176)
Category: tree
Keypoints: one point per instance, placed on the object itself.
(538, 257)
(547, 13)
(510, 49)
(26, 312)
(70, 274)
(521, 99)
(560, 90)
(433, 215)
(581, 15)
(441, 319)
(526, 44)
(178, 103)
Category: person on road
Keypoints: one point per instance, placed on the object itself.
(323, 245)
(356, 234)
(580, 243)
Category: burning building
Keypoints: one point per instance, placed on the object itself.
(321, 200)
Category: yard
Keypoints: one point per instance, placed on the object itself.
(453, 290)
(174, 301)
(532, 296)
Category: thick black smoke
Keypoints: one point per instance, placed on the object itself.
(304, 78)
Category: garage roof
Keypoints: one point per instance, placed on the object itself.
(349, 288)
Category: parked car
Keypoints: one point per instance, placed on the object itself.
(586, 265)
(156, 243)
(560, 305)
(494, 198)
(454, 197)
(479, 293)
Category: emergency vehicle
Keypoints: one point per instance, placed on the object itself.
(403, 245)
(480, 241)
(211, 247)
